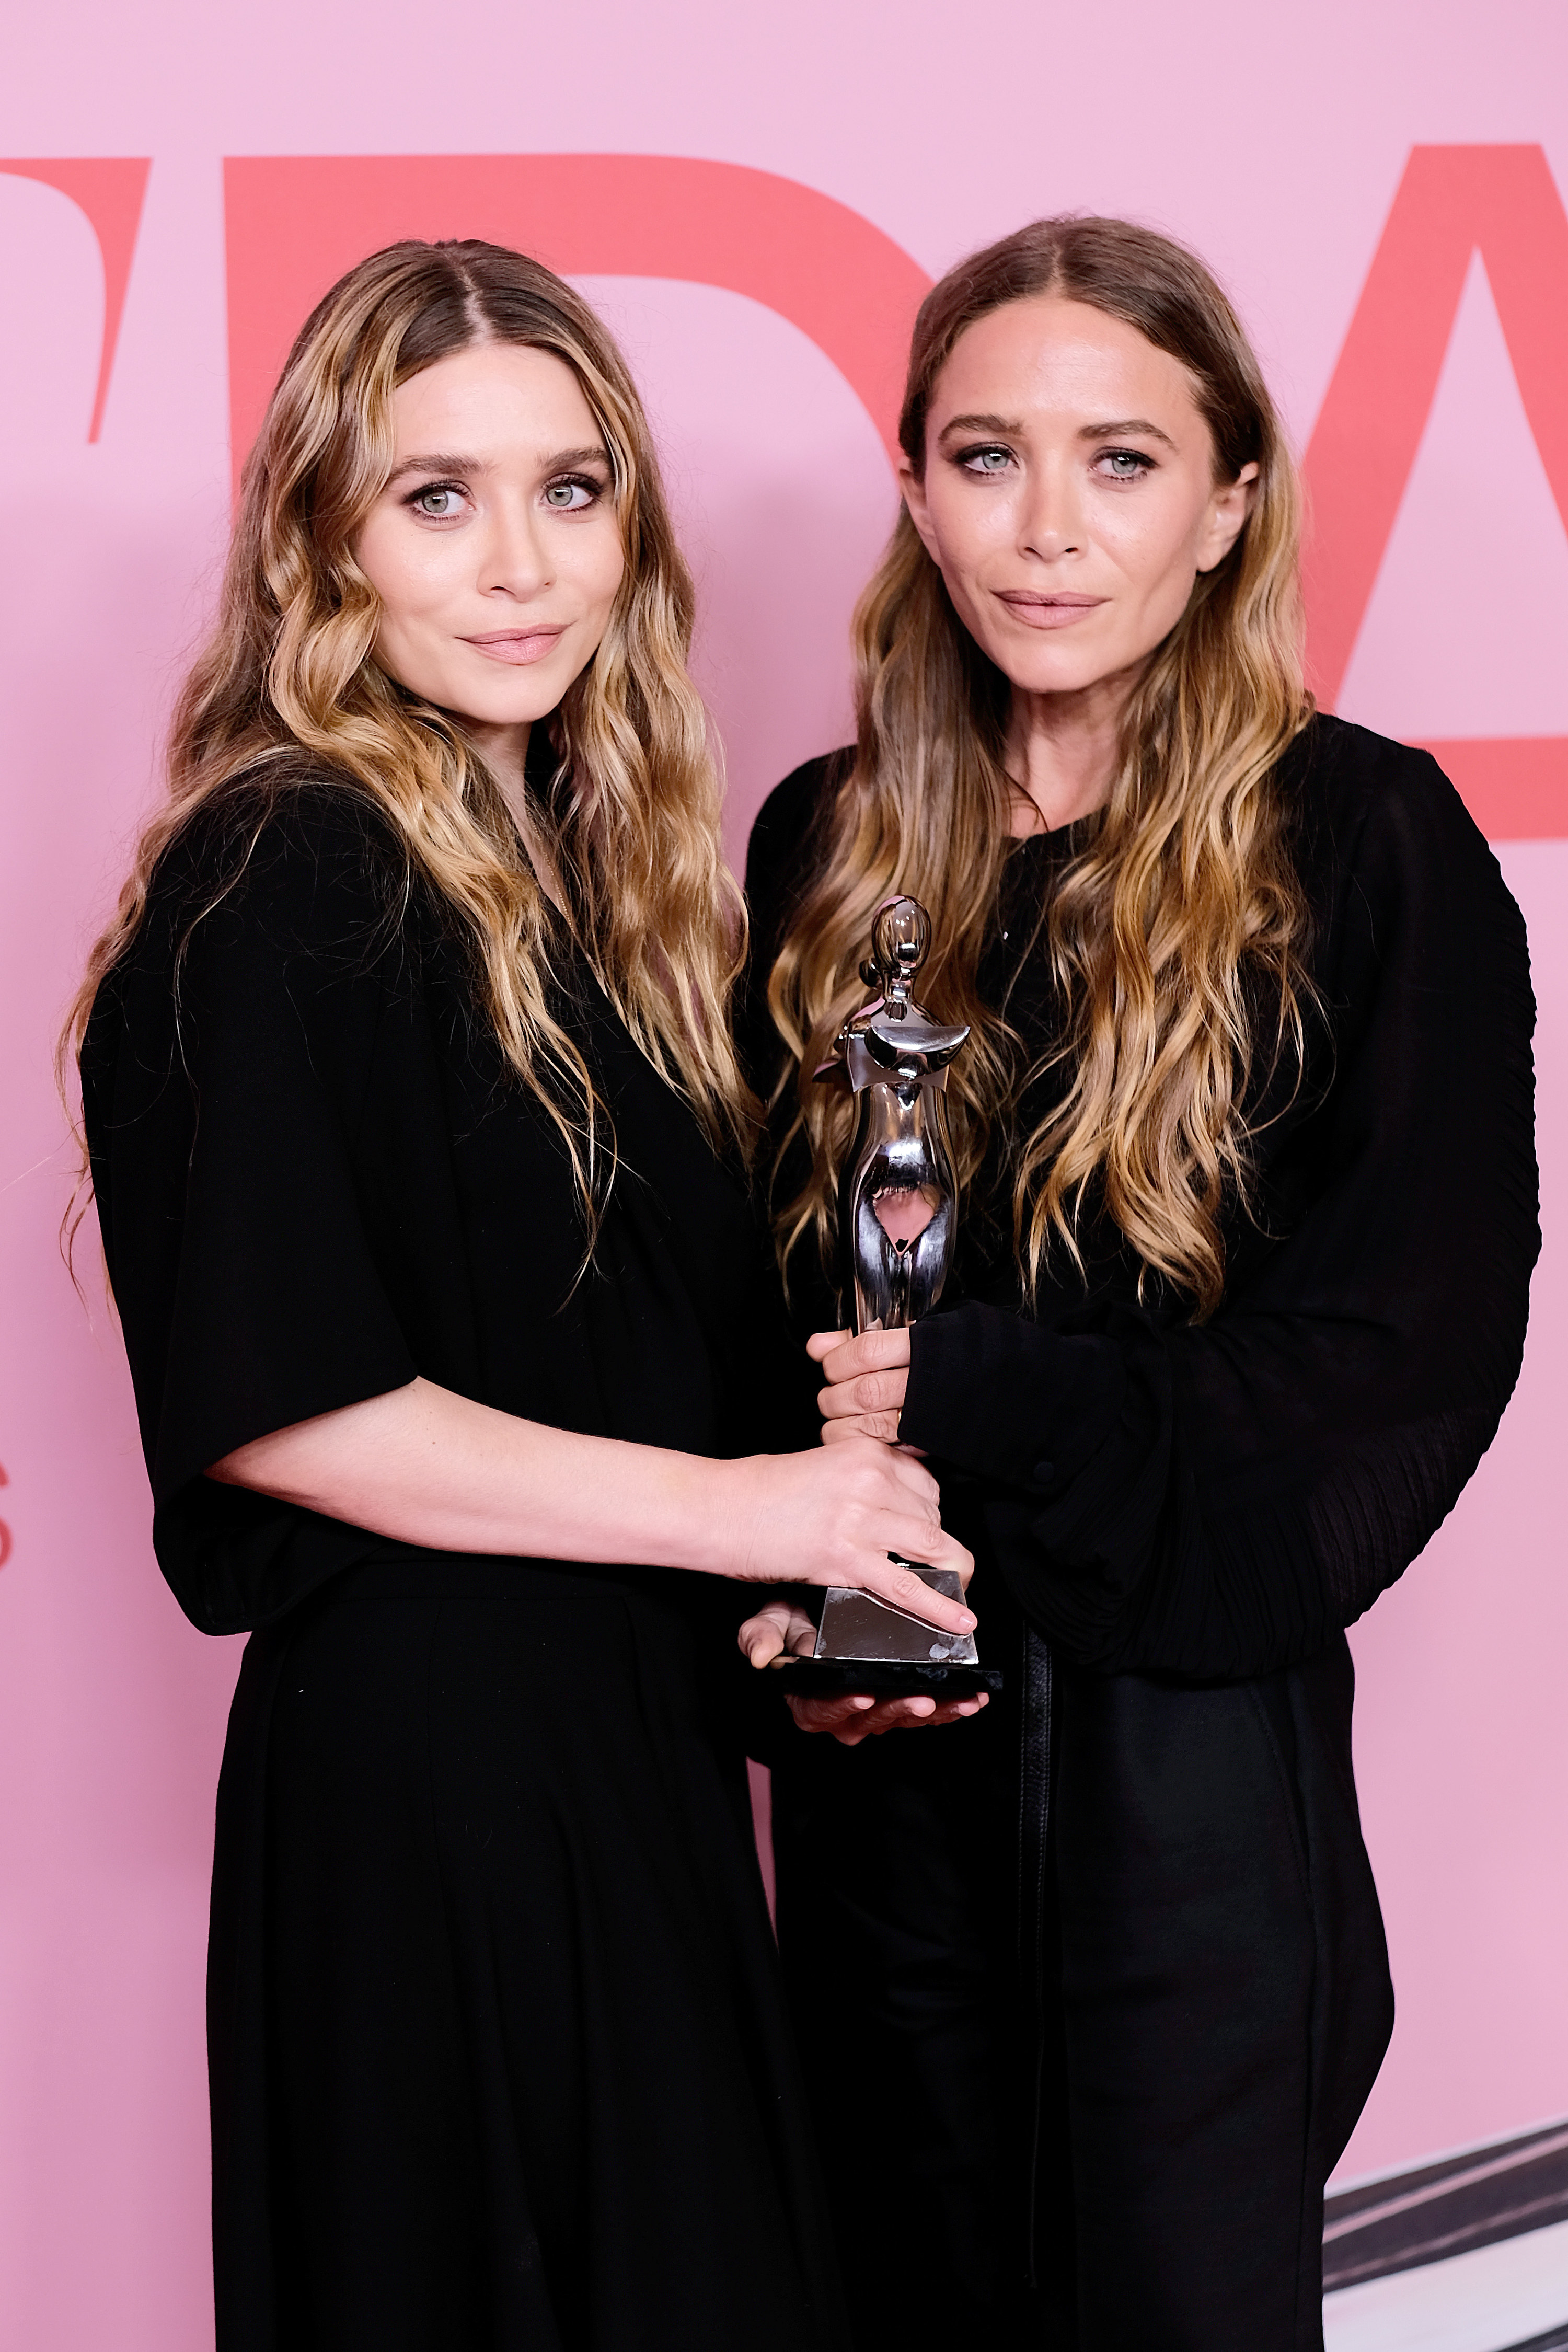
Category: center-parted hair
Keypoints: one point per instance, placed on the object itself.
(290, 683)
(1176, 927)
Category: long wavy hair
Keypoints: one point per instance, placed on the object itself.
(1175, 929)
(290, 683)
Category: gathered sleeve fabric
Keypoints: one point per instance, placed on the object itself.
(227, 1065)
(1213, 1500)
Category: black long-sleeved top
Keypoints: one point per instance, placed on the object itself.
(1214, 1500)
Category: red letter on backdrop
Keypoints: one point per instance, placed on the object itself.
(1450, 201)
(110, 190)
(294, 225)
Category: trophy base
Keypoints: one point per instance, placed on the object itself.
(862, 1645)
(836, 1677)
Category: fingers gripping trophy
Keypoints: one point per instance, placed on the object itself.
(898, 1215)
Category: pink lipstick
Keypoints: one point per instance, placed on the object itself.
(520, 646)
(1048, 611)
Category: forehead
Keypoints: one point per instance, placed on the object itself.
(490, 397)
(1048, 356)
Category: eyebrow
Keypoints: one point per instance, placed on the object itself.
(1010, 427)
(446, 461)
(1125, 425)
(975, 423)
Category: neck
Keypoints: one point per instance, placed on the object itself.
(1061, 752)
(504, 751)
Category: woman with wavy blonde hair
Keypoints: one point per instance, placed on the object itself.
(1241, 1292)
(419, 1144)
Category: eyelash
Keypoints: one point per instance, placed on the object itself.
(433, 490)
(1144, 463)
(595, 489)
(965, 461)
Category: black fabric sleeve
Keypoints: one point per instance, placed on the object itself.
(225, 1087)
(279, 1312)
(1214, 1500)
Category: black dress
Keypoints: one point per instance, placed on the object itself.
(498, 2056)
(1109, 1957)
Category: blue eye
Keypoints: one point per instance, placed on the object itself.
(988, 460)
(1126, 465)
(439, 500)
(575, 492)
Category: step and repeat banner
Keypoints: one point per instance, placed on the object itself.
(757, 206)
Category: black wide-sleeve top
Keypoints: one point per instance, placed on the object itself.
(1214, 1499)
(317, 1178)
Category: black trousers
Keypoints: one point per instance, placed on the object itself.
(1112, 2136)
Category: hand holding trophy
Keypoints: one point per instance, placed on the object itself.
(897, 1212)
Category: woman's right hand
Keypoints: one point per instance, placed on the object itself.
(832, 1515)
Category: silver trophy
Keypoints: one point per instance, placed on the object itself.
(897, 1212)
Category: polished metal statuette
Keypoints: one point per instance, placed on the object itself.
(898, 1215)
(898, 1202)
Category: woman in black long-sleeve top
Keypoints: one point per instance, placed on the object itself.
(415, 1132)
(1240, 1298)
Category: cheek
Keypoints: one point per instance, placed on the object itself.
(966, 528)
(595, 564)
(409, 573)
(1155, 541)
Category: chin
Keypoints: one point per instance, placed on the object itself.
(520, 706)
(1051, 676)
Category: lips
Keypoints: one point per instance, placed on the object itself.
(518, 647)
(1038, 612)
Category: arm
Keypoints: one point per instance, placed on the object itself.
(228, 1096)
(426, 1466)
(1215, 1500)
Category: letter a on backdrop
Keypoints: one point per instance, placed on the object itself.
(1451, 202)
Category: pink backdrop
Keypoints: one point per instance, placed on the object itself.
(755, 201)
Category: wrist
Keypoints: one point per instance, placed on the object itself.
(707, 1509)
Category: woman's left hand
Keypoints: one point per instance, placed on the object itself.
(858, 1716)
(866, 1379)
(780, 1628)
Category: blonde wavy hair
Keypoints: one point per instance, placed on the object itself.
(290, 683)
(1175, 929)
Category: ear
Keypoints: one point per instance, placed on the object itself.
(1228, 510)
(914, 496)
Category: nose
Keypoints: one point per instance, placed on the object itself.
(1050, 520)
(514, 556)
